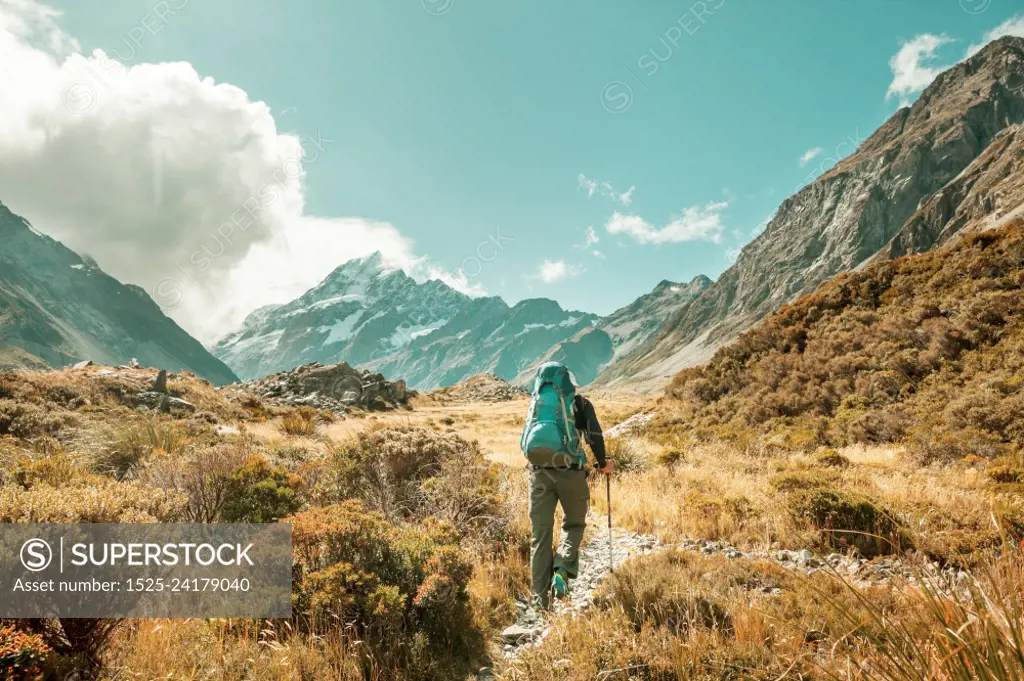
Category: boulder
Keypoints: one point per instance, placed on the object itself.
(164, 403)
(160, 384)
(336, 387)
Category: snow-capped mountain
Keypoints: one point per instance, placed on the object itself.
(362, 311)
(57, 308)
(431, 335)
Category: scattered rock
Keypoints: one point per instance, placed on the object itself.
(631, 425)
(164, 403)
(83, 364)
(160, 384)
(336, 387)
(518, 634)
(486, 388)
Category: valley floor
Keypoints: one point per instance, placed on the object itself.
(734, 559)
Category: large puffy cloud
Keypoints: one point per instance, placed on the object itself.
(169, 180)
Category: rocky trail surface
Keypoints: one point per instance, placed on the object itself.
(531, 630)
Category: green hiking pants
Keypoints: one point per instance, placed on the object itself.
(549, 487)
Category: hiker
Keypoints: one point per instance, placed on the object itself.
(558, 422)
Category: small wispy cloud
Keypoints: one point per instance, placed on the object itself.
(696, 223)
(732, 254)
(551, 271)
(913, 66)
(604, 188)
(810, 155)
(590, 238)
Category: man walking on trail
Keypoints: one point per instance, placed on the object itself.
(558, 422)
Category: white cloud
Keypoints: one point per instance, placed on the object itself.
(604, 188)
(732, 254)
(696, 223)
(913, 66)
(162, 176)
(1013, 26)
(810, 155)
(590, 238)
(551, 271)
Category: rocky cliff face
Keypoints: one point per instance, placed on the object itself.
(856, 209)
(989, 193)
(57, 308)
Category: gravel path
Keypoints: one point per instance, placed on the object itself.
(530, 630)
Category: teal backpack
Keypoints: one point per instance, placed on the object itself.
(550, 438)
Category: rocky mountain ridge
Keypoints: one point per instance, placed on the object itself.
(57, 308)
(430, 335)
(922, 176)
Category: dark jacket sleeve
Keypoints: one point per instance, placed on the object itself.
(587, 424)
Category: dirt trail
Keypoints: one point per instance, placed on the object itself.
(627, 545)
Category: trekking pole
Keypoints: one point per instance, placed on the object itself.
(611, 560)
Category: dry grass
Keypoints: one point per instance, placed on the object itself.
(674, 615)
(719, 491)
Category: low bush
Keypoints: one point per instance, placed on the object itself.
(402, 587)
(25, 420)
(414, 473)
(845, 520)
(660, 594)
(304, 422)
(122, 448)
(93, 499)
(22, 655)
(202, 475)
(830, 458)
(627, 453)
(257, 492)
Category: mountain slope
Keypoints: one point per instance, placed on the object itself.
(487, 336)
(848, 214)
(615, 336)
(927, 350)
(56, 308)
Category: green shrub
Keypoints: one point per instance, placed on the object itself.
(402, 587)
(260, 493)
(627, 453)
(414, 473)
(22, 655)
(830, 458)
(304, 422)
(847, 520)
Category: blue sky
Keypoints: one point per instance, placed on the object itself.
(455, 120)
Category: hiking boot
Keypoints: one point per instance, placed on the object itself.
(560, 584)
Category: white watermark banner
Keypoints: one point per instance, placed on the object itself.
(145, 570)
